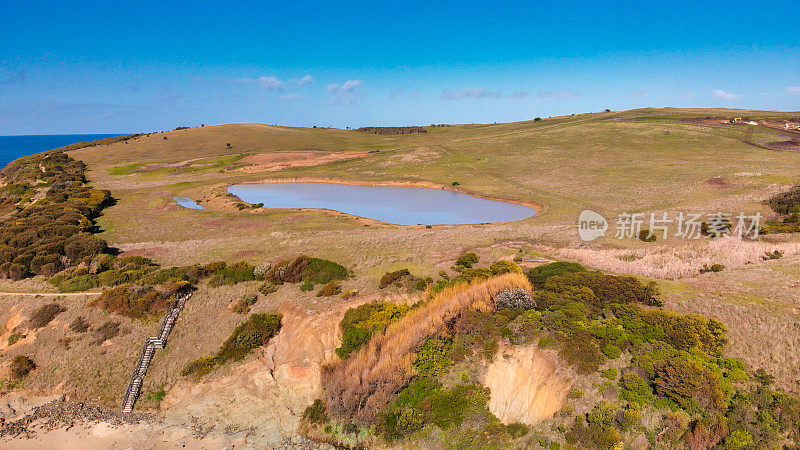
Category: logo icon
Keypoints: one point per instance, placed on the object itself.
(591, 225)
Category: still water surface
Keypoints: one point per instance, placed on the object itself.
(186, 202)
(392, 204)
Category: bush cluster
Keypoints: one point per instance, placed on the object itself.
(514, 299)
(242, 306)
(45, 314)
(307, 270)
(467, 260)
(255, 332)
(329, 289)
(425, 401)
(404, 279)
(538, 275)
(106, 331)
(674, 365)
(787, 205)
(42, 236)
(140, 301)
(393, 278)
(360, 323)
(21, 366)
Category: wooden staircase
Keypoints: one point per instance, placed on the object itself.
(149, 349)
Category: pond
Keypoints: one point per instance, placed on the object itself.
(391, 204)
(186, 202)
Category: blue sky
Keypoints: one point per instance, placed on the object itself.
(95, 67)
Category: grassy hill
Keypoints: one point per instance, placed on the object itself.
(633, 161)
(646, 160)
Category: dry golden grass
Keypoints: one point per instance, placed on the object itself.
(364, 383)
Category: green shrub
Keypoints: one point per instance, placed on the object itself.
(423, 283)
(739, 439)
(15, 337)
(255, 332)
(503, 266)
(233, 274)
(777, 254)
(687, 383)
(267, 287)
(425, 401)
(582, 351)
(316, 414)
(139, 301)
(108, 330)
(307, 286)
(393, 278)
(602, 425)
(635, 389)
(45, 314)
(607, 288)
(329, 289)
(714, 268)
(646, 236)
(21, 366)
(575, 393)
(612, 351)
(690, 331)
(242, 306)
(306, 269)
(610, 373)
(79, 283)
(538, 275)
(517, 430)
(786, 202)
(199, 367)
(431, 359)
(467, 260)
(157, 396)
(79, 325)
(360, 323)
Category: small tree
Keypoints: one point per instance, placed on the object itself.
(21, 367)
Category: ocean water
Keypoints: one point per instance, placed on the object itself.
(391, 204)
(12, 147)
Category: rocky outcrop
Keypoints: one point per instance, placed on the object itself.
(268, 394)
(525, 385)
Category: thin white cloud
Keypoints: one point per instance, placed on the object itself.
(793, 90)
(306, 80)
(481, 92)
(640, 94)
(562, 94)
(722, 95)
(291, 96)
(344, 93)
(266, 83)
(469, 93)
(519, 95)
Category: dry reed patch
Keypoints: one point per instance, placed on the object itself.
(671, 260)
(363, 384)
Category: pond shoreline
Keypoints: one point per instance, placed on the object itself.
(538, 207)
